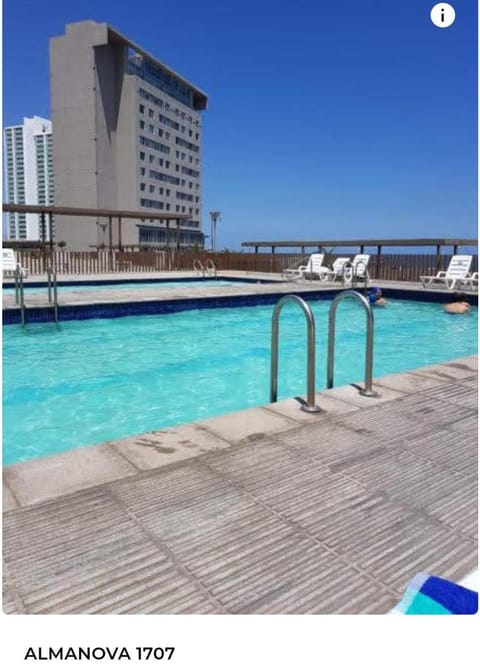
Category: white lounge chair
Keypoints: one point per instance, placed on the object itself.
(313, 267)
(336, 271)
(458, 270)
(470, 283)
(10, 264)
(357, 269)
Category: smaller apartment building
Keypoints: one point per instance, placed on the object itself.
(127, 136)
(28, 165)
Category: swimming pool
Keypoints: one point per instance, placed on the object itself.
(161, 283)
(102, 379)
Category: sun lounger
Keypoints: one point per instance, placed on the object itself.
(313, 267)
(458, 270)
(10, 264)
(336, 271)
(469, 283)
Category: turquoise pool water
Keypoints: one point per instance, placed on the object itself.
(97, 380)
(201, 283)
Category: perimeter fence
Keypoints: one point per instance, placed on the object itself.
(398, 267)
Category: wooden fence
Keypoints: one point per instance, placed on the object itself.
(399, 267)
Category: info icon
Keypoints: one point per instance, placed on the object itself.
(442, 15)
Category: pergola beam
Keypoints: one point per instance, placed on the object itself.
(89, 211)
(418, 242)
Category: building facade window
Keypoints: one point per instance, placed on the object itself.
(29, 178)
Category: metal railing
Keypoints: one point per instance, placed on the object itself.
(199, 267)
(351, 277)
(19, 293)
(310, 405)
(210, 268)
(367, 391)
(52, 290)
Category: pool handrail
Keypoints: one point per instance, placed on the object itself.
(350, 293)
(199, 267)
(210, 268)
(310, 405)
(19, 294)
(357, 278)
(52, 285)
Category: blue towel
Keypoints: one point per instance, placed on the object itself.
(427, 594)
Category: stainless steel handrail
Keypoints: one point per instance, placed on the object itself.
(310, 405)
(198, 267)
(356, 277)
(49, 283)
(19, 294)
(350, 276)
(18, 277)
(211, 268)
(52, 285)
(367, 391)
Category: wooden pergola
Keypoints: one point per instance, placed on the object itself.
(110, 214)
(361, 244)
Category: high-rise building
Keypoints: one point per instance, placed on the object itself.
(126, 136)
(28, 167)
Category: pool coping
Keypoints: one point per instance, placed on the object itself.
(89, 305)
(47, 478)
(67, 280)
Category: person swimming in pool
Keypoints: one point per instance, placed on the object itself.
(459, 304)
(375, 297)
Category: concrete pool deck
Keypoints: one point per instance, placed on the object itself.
(276, 285)
(270, 510)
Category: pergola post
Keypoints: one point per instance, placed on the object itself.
(110, 242)
(438, 258)
(178, 235)
(120, 233)
(42, 227)
(50, 230)
(379, 251)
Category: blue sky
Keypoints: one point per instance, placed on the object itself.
(327, 119)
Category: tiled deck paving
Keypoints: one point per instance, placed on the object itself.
(270, 510)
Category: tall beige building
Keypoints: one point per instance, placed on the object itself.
(126, 135)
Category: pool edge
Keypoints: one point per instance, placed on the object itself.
(50, 477)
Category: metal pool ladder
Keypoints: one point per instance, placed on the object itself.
(354, 279)
(367, 391)
(199, 267)
(52, 291)
(211, 268)
(19, 294)
(52, 288)
(310, 405)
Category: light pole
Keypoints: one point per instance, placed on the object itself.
(214, 216)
